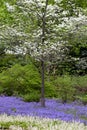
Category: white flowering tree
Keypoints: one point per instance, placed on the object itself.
(41, 27)
(78, 42)
(47, 30)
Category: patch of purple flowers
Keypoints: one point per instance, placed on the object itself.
(54, 109)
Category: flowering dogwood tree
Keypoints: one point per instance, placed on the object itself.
(45, 27)
(46, 37)
(78, 43)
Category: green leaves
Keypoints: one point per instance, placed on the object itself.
(20, 80)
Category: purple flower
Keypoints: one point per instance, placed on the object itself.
(54, 109)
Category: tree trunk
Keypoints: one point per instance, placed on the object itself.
(42, 85)
(42, 61)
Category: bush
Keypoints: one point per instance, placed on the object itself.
(72, 88)
(82, 98)
(50, 90)
(25, 81)
(65, 88)
(33, 96)
(81, 84)
(19, 80)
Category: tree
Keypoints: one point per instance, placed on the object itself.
(78, 44)
(45, 40)
(43, 31)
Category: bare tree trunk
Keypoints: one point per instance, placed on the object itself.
(42, 61)
(42, 87)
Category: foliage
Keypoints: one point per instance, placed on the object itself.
(71, 88)
(76, 3)
(20, 80)
(83, 99)
(24, 81)
(34, 95)
(65, 88)
(50, 90)
(6, 61)
(6, 18)
(78, 49)
(81, 88)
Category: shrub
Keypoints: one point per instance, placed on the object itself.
(19, 80)
(81, 84)
(32, 96)
(72, 88)
(81, 88)
(50, 90)
(65, 88)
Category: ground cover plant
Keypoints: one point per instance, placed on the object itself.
(54, 109)
(36, 123)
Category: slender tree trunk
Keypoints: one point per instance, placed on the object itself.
(42, 87)
(42, 61)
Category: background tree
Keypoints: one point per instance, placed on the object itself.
(78, 44)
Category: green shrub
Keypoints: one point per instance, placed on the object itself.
(82, 98)
(33, 96)
(82, 81)
(81, 88)
(50, 90)
(71, 87)
(25, 81)
(65, 88)
(81, 84)
(19, 80)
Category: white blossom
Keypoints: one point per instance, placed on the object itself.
(10, 8)
(53, 42)
(36, 123)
